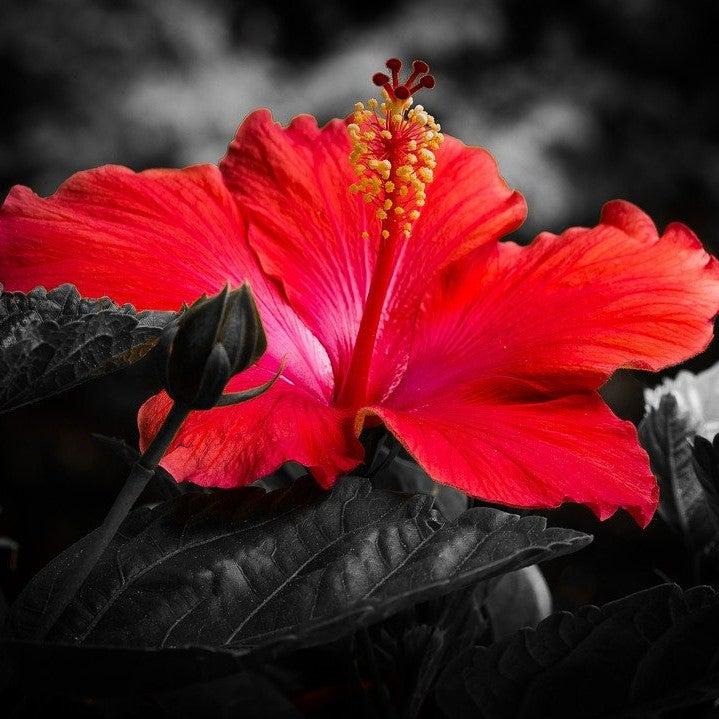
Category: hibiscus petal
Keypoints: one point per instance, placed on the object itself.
(155, 239)
(307, 227)
(233, 446)
(534, 454)
(468, 205)
(562, 314)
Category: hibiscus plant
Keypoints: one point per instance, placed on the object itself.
(367, 403)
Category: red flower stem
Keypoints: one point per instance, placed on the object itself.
(141, 473)
(354, 391)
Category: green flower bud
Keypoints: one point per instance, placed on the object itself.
(209, 343)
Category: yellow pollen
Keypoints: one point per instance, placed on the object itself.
(425, 174)
(393, 146)
(365, 235)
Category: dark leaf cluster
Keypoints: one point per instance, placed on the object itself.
(52, 341)
(388, 597)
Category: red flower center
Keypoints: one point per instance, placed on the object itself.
(393, 146)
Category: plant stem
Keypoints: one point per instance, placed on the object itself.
(140, 474)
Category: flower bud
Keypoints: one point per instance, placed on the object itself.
(209, 343)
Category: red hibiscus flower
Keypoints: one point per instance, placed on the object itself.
(372, 249)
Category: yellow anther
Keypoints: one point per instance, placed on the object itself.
(365, 235)
(425, 174)
(392, 153)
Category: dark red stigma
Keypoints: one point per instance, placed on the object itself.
(418, 79)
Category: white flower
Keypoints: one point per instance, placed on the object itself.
(697, 395)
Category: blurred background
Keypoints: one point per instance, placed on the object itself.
(580, 102)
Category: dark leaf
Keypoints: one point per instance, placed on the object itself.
(415, 646)
(666, 433)
(706, 466)
(52, 341)
(655, 650)
(248, 570)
